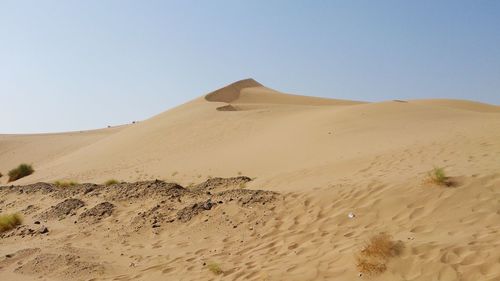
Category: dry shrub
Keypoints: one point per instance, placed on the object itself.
(111, 182)
(373, 258)
(215, 268)
(370, 268)
(61, 183)
(8, 222)
(21, 171)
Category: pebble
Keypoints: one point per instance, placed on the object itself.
(43, 230)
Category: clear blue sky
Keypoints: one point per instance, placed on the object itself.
(73, 65)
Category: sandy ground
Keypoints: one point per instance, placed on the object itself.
(316, 161)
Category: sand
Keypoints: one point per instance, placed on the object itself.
(315, 161)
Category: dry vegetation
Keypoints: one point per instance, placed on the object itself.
(215, 268)
(110, 182)
(61, 183)
(21, 171)
(373, 258)
(8, 222)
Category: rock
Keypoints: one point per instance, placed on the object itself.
(98, 212)
(61, 210)
(207, 205)
(43, 230)
(351, 215)
(187, 213)
(37, 222)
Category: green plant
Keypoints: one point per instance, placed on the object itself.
(215, 268)
(21, 171)
(438, 176)
(8, 222)
(62, 183)
(110, 182)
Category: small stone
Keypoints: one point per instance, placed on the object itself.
(43, 230)
(207, 205)
(351, 215)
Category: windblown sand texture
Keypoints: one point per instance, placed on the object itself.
(247, 183)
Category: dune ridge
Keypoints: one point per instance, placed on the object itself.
(232, 91)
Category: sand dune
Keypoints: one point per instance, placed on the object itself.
(461, 105)
(324, 158)
(250, 91)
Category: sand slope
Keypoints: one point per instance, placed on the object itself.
(271, 135)
(325, 157)
(38, 149)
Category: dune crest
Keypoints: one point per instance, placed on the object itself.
(232, 91)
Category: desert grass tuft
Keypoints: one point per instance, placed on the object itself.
(439, 177)
(8, 222)
(110, 182)
(373, 258)
(215, 268)
(21, 171)
(61, 183)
